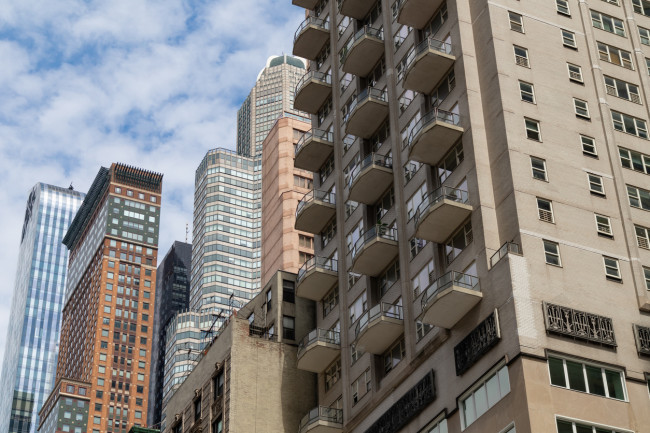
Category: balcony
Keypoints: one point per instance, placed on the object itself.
(307, 4)
(449, 298)
(318, 350)
(313, 149)
(374, 251)
(433, 136)
(312, 91)
(366, 113)
(370, 179)
(440, 214)
(357, 9)
(378, 328)
(316, 278)
(322, 420)
(362, 52)
(314, 211)
(427, 65)
(310, 37)
(417, 13)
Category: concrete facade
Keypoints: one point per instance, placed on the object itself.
(487, 222)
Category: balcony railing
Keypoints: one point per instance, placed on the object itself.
(428, 44)
(451, 278)
(313, 75)
(642, 338)
(314, 133)
(477, 343)
(507, 248)
(321, 414)
(368, 161)
(327, 264)
(381, 310)
(310, 21)
(579, 324)
(367, 93)
(327, 336)
(436, 115)
(364, 31)
(440, 194)
(315, 194)
(377, 231)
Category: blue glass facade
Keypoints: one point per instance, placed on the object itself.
(31, 351)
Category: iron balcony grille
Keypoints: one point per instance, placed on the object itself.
(382, 310)
(435, 115)
(522, 61)
(364, 31)
(375, 232)
(507, 248)
(316, 194)
(369, 161)
(324, 335)
(367, 93)
(477, 343)
(317, 262)
(642, 338)
(325, 25)
(314, 133)
(321, 413)
(440, 194)
(579, 324)
(313, 75)
(449, 279)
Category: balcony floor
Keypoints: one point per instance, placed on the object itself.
(310, 41)
(314, 216)
(316, 283)
(370, 184)
(311, 96)
(318, 356)
(450, 305)
(366, 117)
(379, 334)
(363, 56)
(313, 154)
(428, 68)
(375, 256)
(434, 141)
(417, 13)
(441, 220)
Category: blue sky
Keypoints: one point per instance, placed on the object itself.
(151, 83)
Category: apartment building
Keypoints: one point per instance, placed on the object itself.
(489, 170)
(107, 323)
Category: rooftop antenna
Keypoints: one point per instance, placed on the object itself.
(71, 188)
(187, 230)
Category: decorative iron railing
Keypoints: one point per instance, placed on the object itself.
(477, 343)
(579, 324)
(642, 338)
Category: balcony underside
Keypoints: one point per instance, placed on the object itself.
(307, 4)
(434, 141)
(314, 215)
(311, 96)
(417, 13)
(322, 426)
(310, 41)
(440, 220)
(357, 9)
(379, 334)
(318, 356)
(375, 256)
(313, 154)
(366, 117)
(370, 184)
(428, 68)
(448, 306)
(316, 283)
(363, 55)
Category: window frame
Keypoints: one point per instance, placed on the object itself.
(516, 25)
(530, 132)
(578, 74)
(581, 112)
(527, 93)
(642, 235)
(521, 60)
(644, 35)
(620, 54)
(501, 373)
(585, 378)
(542, 171)
(594, 181)
(583, 145)
(545, 215)
(614, 21)
(639, 200)
(612, 264)
(548, 253)
(569, 39)
(562, 7)
(606, 223)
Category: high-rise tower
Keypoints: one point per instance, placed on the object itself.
(490, 168)
(35, 322)
(105, 347)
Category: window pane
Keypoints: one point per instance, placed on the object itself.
(583, 429)
(468, 409)
(556, 367)
(564, 427)
(504, 381)
(492, 387)
(614, 384)
(576, 377)
(480, 400)
(595, 380)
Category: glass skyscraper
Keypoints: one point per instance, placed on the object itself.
(32, 339)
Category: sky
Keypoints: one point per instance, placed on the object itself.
(150, 83)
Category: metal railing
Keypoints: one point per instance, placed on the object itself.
(313, 133)
(315, 194)
(364, 31)
(435, 115)
(327, 264)
(325, 25)
(451, 278)
(313, 75)
(440, 194)
(522, 61)
(377, 231)
(321, 413)
(428, 44)
(508, 247)
(369, 161)
(381, 310)
(367, 93)
(324, 335)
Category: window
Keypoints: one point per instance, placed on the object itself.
(330, 301)
(646, 276)
(332, 374)
(647, 65)
(634, 160)
(527, 92)
(269, 297)
(644, 34)
(596, 184)
(588, 146)
(639, 198)
(622, 89)
(361, 386)
(197, 409)
(217, 426)
(389, 277)
(532, 130)
(562, 7)
(538, 166)
(614, 2)
(607, 23)
(641, 7)
(575, 73)
(642, 236)
(415, 200)
(289, 327)
(358, 307)
(566, 426)
(581, 108)
(289, 291)
(603, 225)
(552, 253)
(492, 388)
(217, 386)
(450, 162)
(306, 241)
(588, 378)
(612, 270)
(458, 242)
(394, 355)
(611, 54)
(521, 57)
(545, 210)
(569, 39)
(516, 22)
(421, 329)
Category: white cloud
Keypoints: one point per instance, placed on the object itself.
(152, 83)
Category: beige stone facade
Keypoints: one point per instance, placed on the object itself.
(487, 263)
(283, 247)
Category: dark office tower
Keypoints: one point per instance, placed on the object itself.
(102, 377)
(32, 340)
(172, 296)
